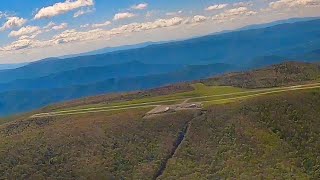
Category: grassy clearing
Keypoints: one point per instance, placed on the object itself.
(255, 93)
(208, 95)
(200, 90)
(203, 90)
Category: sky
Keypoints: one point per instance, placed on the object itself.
(36, 29)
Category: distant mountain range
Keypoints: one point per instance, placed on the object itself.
(55, 79)
(240, 47)
(82, 76)
(111, 49)
(11, 66)
(265, 25)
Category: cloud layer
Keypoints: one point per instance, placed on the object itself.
(107, 23)
(141, 6)
(293, 3)
(82, 12)
(120, 16)
(61, 8)
(95, 34)
(13, 22)
(24, 31)
(216, 7)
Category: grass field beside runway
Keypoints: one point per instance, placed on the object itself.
(200, 90)
(208, 95)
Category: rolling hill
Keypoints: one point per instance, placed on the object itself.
(267, 136)
(273, 76)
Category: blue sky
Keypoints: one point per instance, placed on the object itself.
(35, 29)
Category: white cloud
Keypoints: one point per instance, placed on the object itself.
(174, 13)
(30, 32)
(25, 37)
(196, 19)
(216, 7)
(85, 25)
(247, 4)
(141, 6)
(13, 22)
(125, 15)
(234, 13)
(137, 27)
(19, 44)
(107, 23)
(73, 35)
(240, 11)
(25, 31)
(50, 25)
(293, 3)
(153, 13)
(61, 8)
(60, 27)
(53, 26)
(82, 12)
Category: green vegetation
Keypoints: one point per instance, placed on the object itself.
(199, 91)
(268, 137)
(121, 98)
(265, 133)
(274, 76)
(202, 89)
(119, 145)
(208, 95)
(285, 74)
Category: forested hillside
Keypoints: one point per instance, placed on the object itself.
(267, 137)
(273, 76)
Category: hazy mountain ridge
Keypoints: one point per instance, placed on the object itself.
(225, 48)
(11, 66)
(111, 49)
(87, 75)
